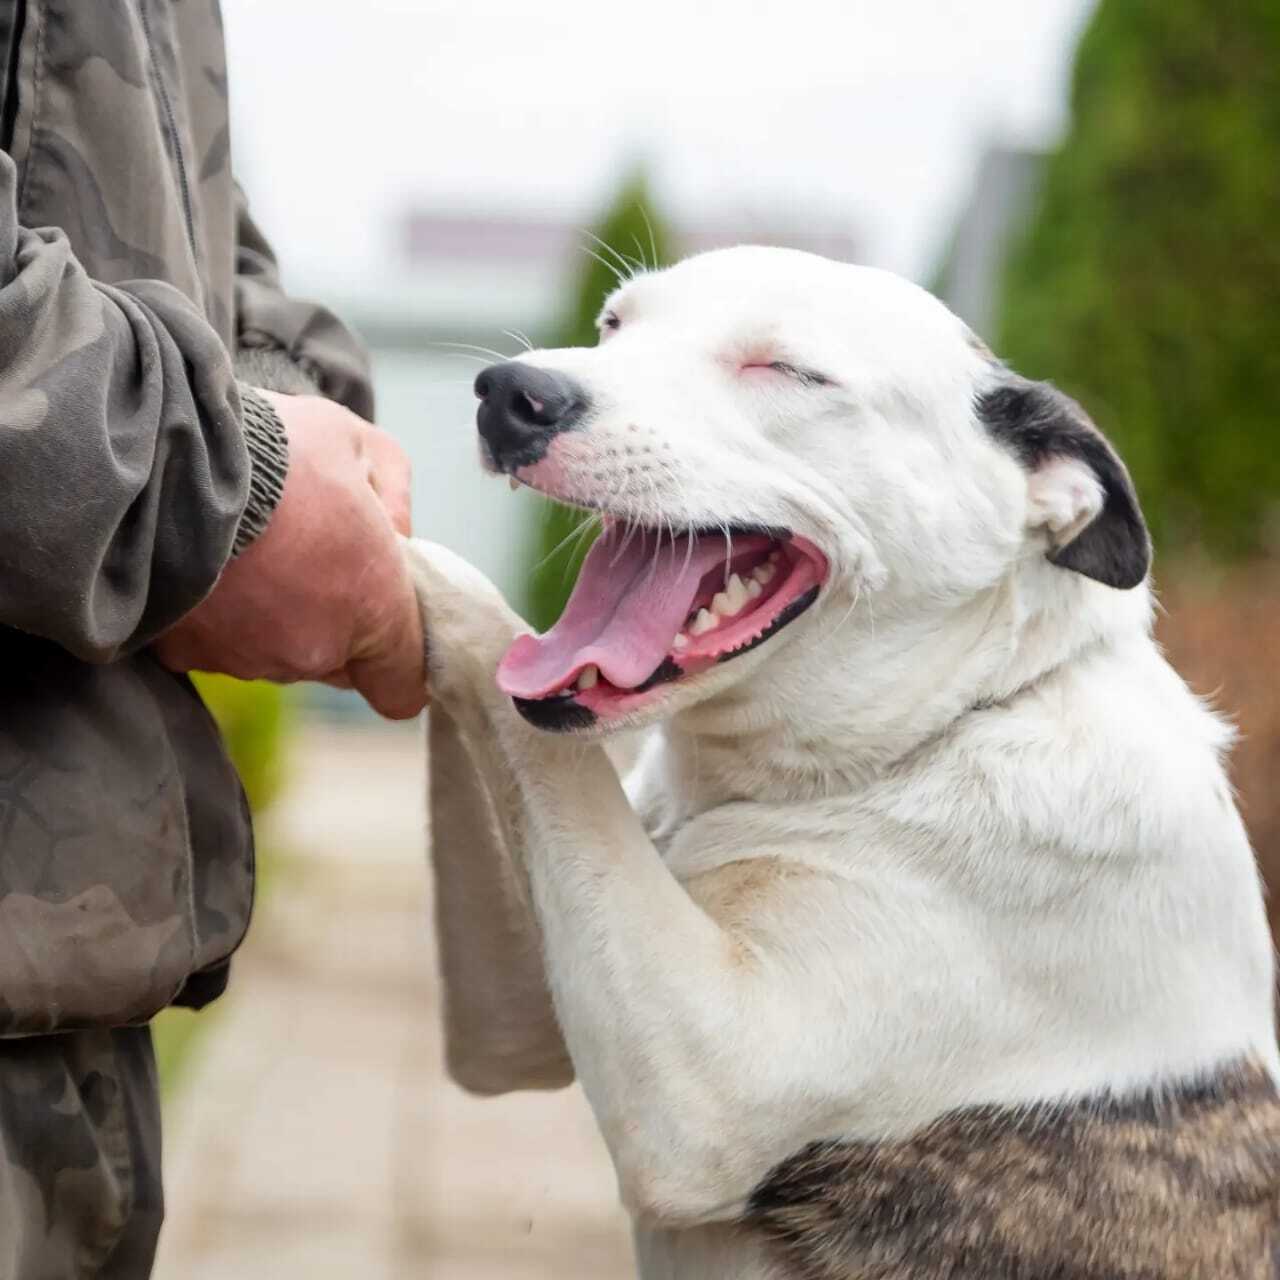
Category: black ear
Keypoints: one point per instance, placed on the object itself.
(1041, 426)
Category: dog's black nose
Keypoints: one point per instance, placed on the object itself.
(522, 408)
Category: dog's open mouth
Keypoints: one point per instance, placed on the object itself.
(649, 609)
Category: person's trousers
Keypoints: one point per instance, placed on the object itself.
(80, 1191)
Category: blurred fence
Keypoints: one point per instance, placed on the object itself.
(1222, 632)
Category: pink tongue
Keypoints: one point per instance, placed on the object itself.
(632, 596)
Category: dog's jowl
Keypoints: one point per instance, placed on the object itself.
(923, 941)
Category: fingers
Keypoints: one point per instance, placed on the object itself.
(390, 475)
(390, 672)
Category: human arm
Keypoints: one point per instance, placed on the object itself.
(132, 473)
(124, 461)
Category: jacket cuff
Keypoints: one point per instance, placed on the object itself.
(269, 462)
(266, 364)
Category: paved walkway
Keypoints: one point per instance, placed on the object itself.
(316, 1135)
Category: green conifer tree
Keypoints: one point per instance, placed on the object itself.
(630, 237)
(1148, 281)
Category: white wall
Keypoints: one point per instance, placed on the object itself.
(425, 400)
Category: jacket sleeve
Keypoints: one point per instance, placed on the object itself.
(287, 344)
(125, 467)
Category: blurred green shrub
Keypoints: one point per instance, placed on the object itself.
(630, 237)
(1148, 282)
(254, 719)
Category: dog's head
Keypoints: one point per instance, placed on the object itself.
(768, 436)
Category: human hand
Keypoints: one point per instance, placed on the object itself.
(324, 594)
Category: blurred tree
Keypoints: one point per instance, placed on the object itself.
(253, 717)
(1148, 282)
(631, 237)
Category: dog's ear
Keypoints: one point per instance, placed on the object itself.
(1078, 488)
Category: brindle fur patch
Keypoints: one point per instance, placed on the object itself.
(1180, 1186)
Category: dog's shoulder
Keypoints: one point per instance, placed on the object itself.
(1110, 755)
(1176, 1184)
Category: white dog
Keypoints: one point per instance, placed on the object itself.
(925, 940)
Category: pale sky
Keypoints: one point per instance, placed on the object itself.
(850, 112)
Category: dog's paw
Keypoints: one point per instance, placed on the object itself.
(468, 624)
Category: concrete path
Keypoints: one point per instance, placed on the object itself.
(316, 1135)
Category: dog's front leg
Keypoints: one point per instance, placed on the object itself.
(665, 1013)
(500, 1027)
(649, 990)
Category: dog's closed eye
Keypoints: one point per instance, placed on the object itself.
(808, 377)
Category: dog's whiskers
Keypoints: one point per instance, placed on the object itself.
(518, 335)
(653, 240)
(618, 274)
(672, 475)
(848, 613)
(576, 534)
(629, 265)
(728, 549)
(467, 347)
(578, 537)
(688, 555)
(631, 524)
(466, 355)
(622, 268)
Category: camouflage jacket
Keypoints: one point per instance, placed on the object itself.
(130, 276)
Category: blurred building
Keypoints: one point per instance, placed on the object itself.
(999, 203)
(503, 270)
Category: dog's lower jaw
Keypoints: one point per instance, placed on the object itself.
(853, 692)
(647, 619)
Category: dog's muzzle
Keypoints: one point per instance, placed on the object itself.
(522, 409)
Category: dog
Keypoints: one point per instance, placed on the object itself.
(924, 940)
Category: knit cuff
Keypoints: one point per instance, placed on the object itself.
(269, 459)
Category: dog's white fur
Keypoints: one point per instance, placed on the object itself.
(958, 834)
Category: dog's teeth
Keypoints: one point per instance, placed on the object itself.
(680, 642)
(588, 677)
(754, 590)
(704, 622)
(513, 482)
(763, 573)
(732, 599)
